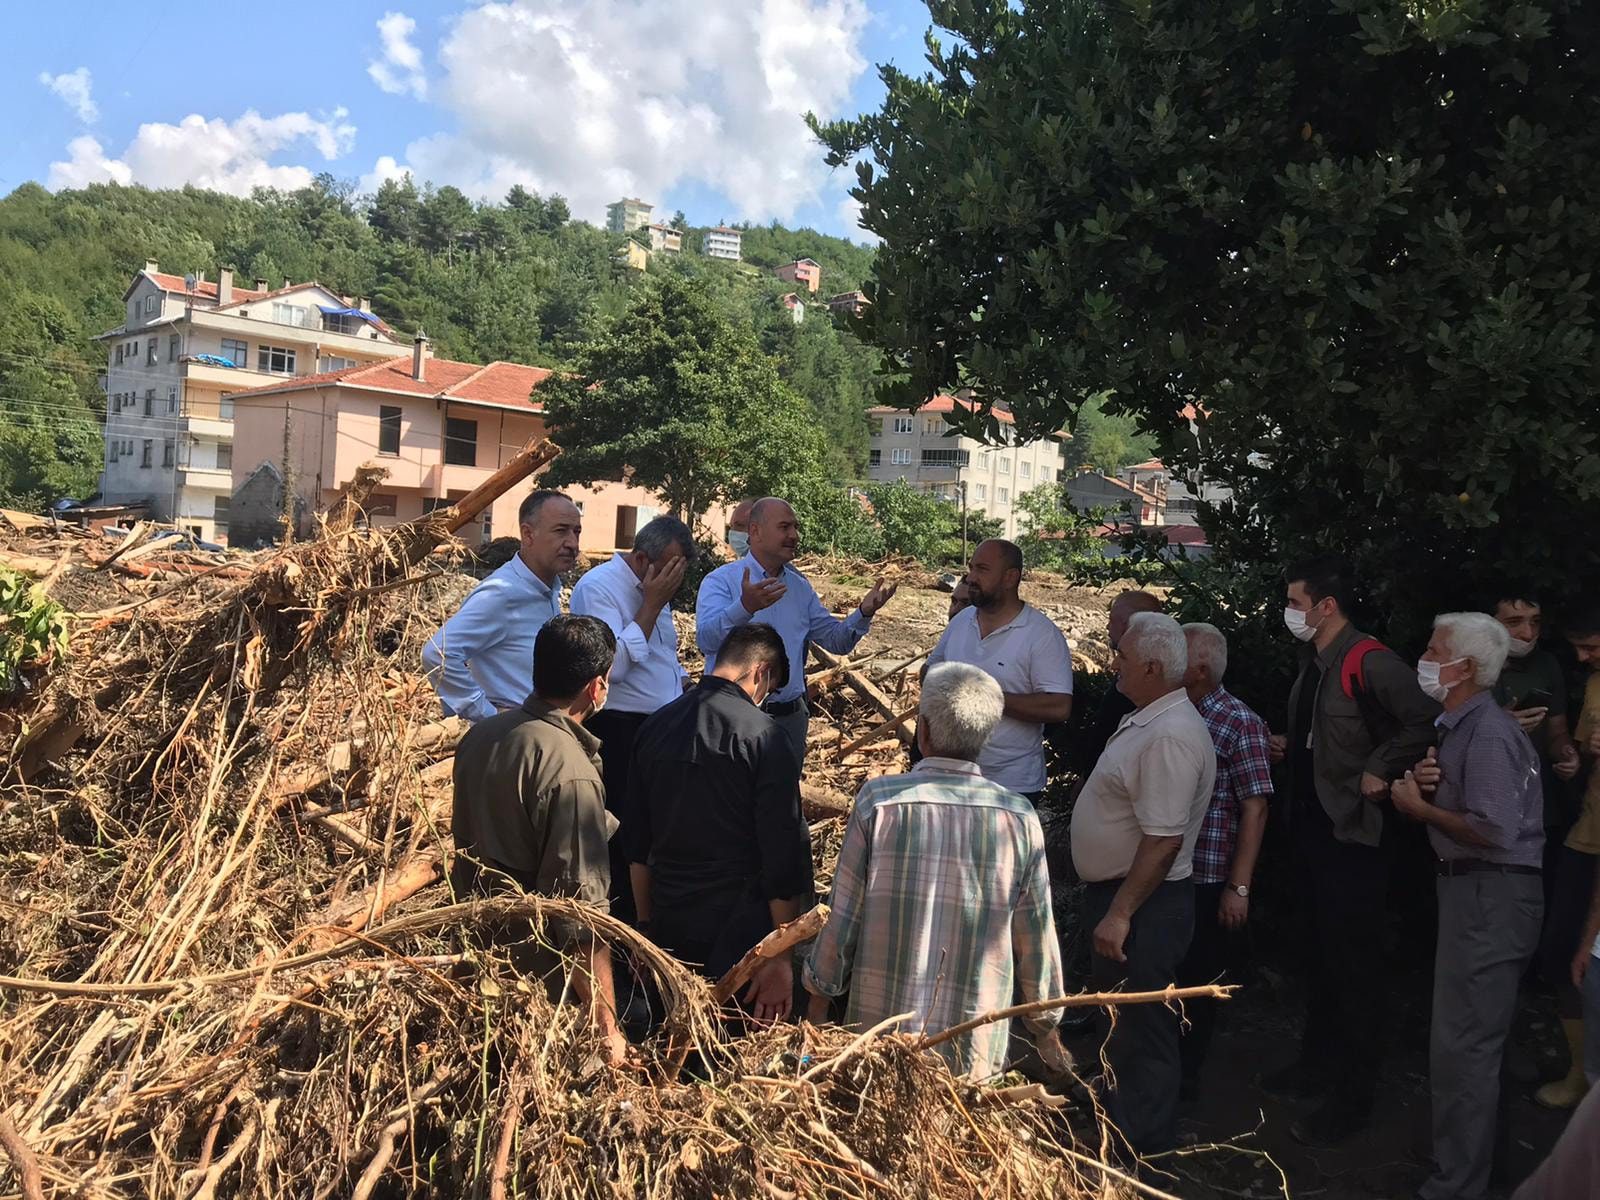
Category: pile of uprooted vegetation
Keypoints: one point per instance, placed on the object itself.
(229, 964)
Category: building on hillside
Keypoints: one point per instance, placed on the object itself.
(631, 254)
(848, 302)
(1181, 496)
(184, 344)
(439, 427)
(795, 305)
(920, 448)
(1090, 490)
(723, 242)
(665, 239)
(626, 215)
(801, 271)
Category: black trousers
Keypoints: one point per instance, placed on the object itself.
(617, 731)
(1216, 955)
(1563, 925)
(1142, 1044)
(1344, 922)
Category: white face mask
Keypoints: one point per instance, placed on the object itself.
(1428, 678)
(1296, 621)
(1520, 648)
(739, 542)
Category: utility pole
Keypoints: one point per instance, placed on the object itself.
(961, 486)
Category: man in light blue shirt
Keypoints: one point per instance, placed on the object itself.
(632, 594)
(481, 660)
(764, 588)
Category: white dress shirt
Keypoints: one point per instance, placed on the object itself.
(799, 618)
(1026, 656)
(481, 660)
(646, 673)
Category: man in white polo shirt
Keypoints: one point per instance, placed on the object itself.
(1027, 656)
(1134, 828)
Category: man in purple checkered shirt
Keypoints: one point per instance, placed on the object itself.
(1230, 838)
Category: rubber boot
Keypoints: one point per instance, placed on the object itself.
(1568, 1092)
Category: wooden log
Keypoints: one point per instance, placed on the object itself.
(29, 1177)
(400, 884)
(780, 941)
(817, 803)
(865, 688)
(429, 532)
(352, 498)
(894, 724)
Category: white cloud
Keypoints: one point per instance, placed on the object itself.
(849, 214)
(597, 99)
(400, 69)
(74, 88)
(227, 156)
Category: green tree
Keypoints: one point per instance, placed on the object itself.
(1056, 536)
(1360, 237)
(685, 399)
(50, 440)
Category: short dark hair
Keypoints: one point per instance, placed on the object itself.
(568, 653)
(1510, 593)
(1582, 622)
(1324, 576)
(1010, 555)
(534, 501)
(750, 644)
(659, 534)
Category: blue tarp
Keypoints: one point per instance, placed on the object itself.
(216, 360)
(332, 311)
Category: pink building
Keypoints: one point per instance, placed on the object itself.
(801, 271)
(439, 427)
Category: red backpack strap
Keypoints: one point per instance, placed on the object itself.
(1353, 671)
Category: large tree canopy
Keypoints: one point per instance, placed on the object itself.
(1358, 235)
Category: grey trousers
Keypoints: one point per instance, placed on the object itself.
(794, 726)
(1488, 932)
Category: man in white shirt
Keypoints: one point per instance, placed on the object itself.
(481, 660)
(764, 588)
(632, 593)
(1027, 656)
(1134, 829)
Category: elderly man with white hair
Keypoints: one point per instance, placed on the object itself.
(1485, 821)
(1134, 829)
(941, 900)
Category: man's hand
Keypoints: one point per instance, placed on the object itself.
(614, 1047)
(1428, 773)
(1407, 797)
(1233, 910)
(1580, 963)
(1566, 766)
(661, 583)
(1277, 748)
(1530, 718)
(1372, 787)
(1055, 1056)
(1110, 936)
(771, 991)
(880, 595)
(763, 593)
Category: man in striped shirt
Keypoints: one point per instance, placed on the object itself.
(941, 900)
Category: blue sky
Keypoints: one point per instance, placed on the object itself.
(690, 104)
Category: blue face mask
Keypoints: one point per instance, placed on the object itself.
(739, 540)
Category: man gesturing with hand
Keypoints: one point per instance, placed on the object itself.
(763, 587)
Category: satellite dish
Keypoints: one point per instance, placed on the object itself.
(189, 282)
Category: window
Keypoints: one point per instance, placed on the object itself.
(119, 355)
(173, 344)
(981, 491)
(1003, 495)
(1005, 466)
(236, 352)
(933, 425)
(432, 504)
(341, 323)
(219, 513)
(874, 458)
(1025, 469)
(225, 408)
(291, 314)
(150, 304)
(149, 402)
(334, 363)
(460, 442)
(382, 504)
(275, 360)
(900, 457)
(389, 429)
(945, 458)
(113, 452)
(145, 451)
(172, 399)
(902, 424)
(166, 453)
(153, 352)
(133, 311)
(1044, 474)
(224, 456)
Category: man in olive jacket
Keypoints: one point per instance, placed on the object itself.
(530, 812)
(1357, 721)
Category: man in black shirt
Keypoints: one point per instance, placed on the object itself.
(719, 850)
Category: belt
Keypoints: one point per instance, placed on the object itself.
(783, 708)
(1447, 868)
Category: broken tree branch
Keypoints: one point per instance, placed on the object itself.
(1166, 995)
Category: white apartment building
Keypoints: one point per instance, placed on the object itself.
(919, 448)
(185, 342)
(723, 242)
(665, 239)
(627, 214)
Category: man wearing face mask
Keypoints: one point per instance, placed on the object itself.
(739, 528)
(1357, 721)
(1485, 824)
(720, 852)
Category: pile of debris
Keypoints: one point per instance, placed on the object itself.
(229, 965)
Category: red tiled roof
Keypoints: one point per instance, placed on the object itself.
(1153, 464)
(943, 404)
(206, 289)
(499, 385)
(1186, 535)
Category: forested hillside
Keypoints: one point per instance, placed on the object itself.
(515, 280)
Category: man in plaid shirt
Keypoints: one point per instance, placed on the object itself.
(1230, 838)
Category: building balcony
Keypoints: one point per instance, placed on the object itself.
(946, 458)
(215, 428)
(218, 479)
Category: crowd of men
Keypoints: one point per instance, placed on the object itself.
(619, 780)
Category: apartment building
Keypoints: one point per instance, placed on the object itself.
(803, 272)
(626, 215)
(848, 302)
(665, 239)
(796, 307)
(1181, 495)
(438, 427)
(921, 449)
(185, 343)
(723, 242)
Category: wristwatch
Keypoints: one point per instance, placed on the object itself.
(1242, 890)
